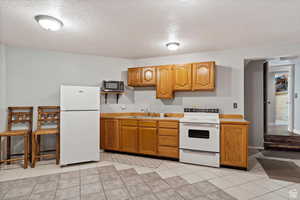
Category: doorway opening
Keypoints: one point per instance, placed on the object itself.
(278, 99)
(271, 98)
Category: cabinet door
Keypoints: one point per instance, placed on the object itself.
(203, 76)
(164, 83)
(148, 76)
(111, 137)
(134, 76)
(148, 140)
(129, 139)
(102, 133)
(234, 145)
(182, 77)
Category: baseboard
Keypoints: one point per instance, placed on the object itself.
(296, 131)
(256, 147)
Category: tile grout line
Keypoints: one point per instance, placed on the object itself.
(270, 192)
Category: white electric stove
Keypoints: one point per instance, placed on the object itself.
(200, 137)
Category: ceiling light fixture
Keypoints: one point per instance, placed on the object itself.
(48, 22)
(173, 46)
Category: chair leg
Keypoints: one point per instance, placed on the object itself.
(33, 153)
(26, 149)
(8, 148)
(57, 149)
(38, 147)
(0, 150)
(30, 147)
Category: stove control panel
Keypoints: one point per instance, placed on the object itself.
(201, 110)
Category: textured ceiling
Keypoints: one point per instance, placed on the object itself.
(140, 28)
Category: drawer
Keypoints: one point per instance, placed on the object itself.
(168, 131)
(168, 124)
(129, 122)
(147, 123)
(168, 141)
(171, 152)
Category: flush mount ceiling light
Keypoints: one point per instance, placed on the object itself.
(173, 46)
(48, 22)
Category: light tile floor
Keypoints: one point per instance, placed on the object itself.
(121, 176)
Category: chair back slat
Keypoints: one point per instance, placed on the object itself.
(19, 115)
(48, 115)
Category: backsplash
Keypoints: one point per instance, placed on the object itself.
(111, 108)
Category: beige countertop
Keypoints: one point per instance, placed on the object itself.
(222, 120)
(144, 118)
(233, 121)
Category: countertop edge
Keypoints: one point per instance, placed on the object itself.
(222, 120)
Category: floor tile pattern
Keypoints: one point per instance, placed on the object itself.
(136, 181)
(108, 183)
(131, 160)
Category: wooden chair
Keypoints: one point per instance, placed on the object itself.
(18, 115)
(47, 116)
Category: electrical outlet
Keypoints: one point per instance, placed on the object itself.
(235, 105)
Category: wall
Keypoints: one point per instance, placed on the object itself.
(34, 76)
(230, 77)
(254, 98)
(2, 95)
(2, 88)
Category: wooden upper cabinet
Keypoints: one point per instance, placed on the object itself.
(164, 82)
(134, 76)
(234, 145)
(182, 77)
(203, 76)
(148, 76)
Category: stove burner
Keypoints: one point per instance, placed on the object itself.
(210, 110)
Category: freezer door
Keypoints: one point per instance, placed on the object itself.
(79, 136)
(79, 98)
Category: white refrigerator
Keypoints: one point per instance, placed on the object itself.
(79, 124)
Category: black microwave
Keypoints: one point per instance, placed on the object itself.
(112, 86)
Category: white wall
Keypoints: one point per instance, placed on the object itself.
(254, 101)
(2, 88)
(230, 77)
(2, 95)
(34, 77)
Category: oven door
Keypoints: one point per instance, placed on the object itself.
(199, 136)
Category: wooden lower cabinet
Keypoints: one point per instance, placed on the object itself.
(129, 139)
(234, 145)
(109, 136)
(150, 137)
(169, 152)
(148, 140)
(168, 139)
